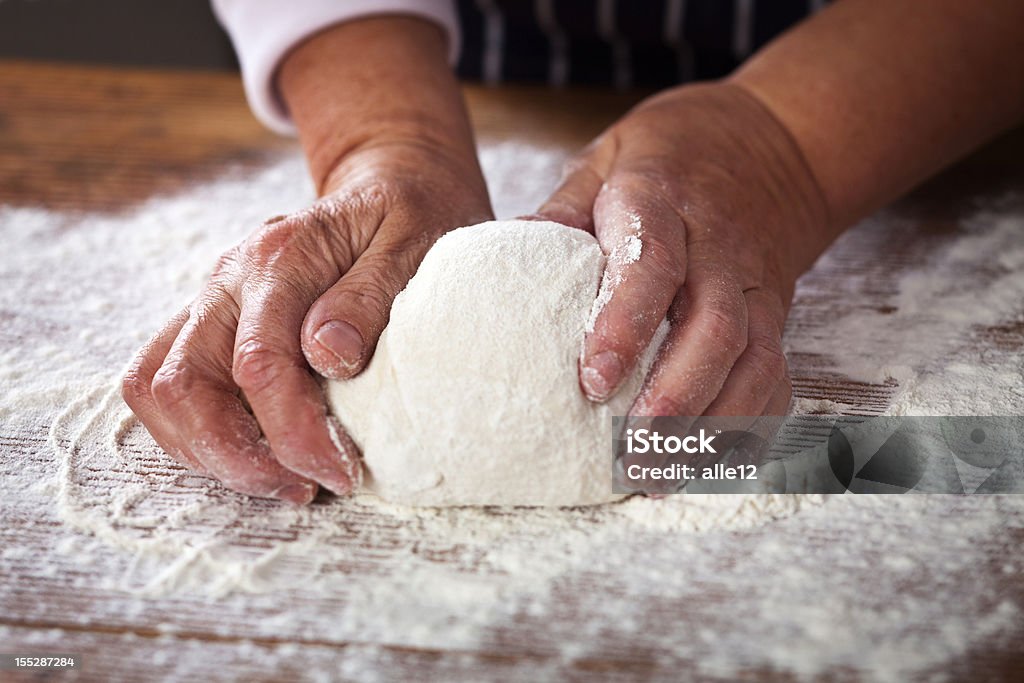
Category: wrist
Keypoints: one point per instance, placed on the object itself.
(807, 226)
(376, 82)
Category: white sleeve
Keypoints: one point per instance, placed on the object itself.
(263, 31)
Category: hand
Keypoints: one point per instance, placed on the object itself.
(316, 287)
(728, 215)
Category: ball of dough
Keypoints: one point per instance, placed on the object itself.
(472, 396)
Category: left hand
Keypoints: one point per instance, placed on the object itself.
(728, 215)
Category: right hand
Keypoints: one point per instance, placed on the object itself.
(313, 289)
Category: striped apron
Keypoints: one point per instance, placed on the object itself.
(621, 43)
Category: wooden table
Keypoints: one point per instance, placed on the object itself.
(98, 139)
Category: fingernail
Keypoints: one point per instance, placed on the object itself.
(601, 375)
(342, 340)
(296, 493)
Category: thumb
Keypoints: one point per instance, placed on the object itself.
(342, 327)
(572, 203)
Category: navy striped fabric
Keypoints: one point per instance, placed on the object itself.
(623, 43)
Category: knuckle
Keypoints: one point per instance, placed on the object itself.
(213, 297)
(641, 191)
(394, 264)
(172, 385)
(214, 312)
(662, 261)
(768, 358)
(365, 202)
(269, 243)
(404, 252)
(369, 295)
(301, 241)
(722, 326)
(134, 388)
(257, 365)
(376, 300)
(226, 264)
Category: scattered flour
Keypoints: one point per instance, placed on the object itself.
(939, 336)
(804, 585)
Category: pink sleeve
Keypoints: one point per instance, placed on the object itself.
(263, 31)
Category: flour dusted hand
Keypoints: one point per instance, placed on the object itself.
(714, 215)
(472, 396)
(270, 316)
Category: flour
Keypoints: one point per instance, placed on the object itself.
(929, 339)
(486, 408)
(888, 588)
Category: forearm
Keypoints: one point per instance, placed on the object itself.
(879, 95)
(376, 82)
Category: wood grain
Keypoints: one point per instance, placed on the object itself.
(93, 138)
(101, 139)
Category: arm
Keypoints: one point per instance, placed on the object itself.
(736, 187)
(373, 83)
(375, 102)
(390, 149)
(880, 95)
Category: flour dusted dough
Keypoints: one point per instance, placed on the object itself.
(472, 396)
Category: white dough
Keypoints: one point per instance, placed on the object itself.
(472, 396)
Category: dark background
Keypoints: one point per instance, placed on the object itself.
(172, 33)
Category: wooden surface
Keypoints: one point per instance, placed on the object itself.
(91, 139)
(106, 139)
